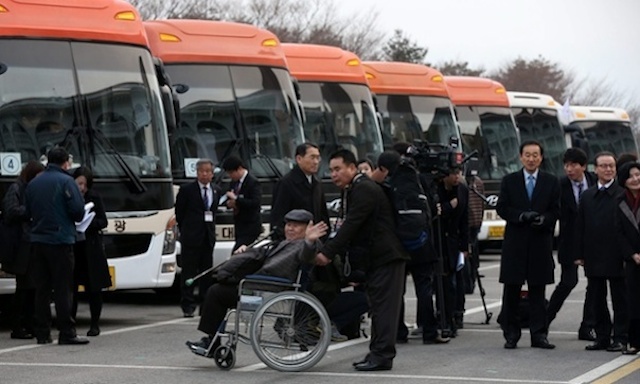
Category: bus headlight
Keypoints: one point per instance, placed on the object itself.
(170, 237)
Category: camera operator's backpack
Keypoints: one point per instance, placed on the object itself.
(410, 206)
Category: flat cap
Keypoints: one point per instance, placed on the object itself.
(299, 215)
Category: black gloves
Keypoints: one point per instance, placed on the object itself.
(537, 222)
(529, 217)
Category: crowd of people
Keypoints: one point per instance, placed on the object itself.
(357, 263)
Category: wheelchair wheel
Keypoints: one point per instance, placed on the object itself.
(290, 332)
(225, 357)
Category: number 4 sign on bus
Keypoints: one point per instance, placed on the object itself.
(10, 163)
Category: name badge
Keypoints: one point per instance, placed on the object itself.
(208, 216)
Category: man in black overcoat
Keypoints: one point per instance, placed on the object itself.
(572, 185)
(599, 252)
(368, 225)
(299, 189)
(530, 204)
(196, 204)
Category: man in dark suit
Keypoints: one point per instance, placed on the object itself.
(530, 204)
(299, 189)
(600, 254)
(576, 181)
(368, 226)
(244, 198)
(195, 208)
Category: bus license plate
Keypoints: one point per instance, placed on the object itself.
(496, 232)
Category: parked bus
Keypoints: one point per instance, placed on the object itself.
(603, 128)
(537, 117)
(413, 101)
(487, 126)
(338, 106)
(80, 75)
(236, 97)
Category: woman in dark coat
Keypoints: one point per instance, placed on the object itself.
(91, 269)
(628, 223)
(17, 250)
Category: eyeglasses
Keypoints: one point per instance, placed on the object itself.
(609, 166)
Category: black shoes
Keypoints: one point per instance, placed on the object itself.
(94, 330)
(201, 347)
(615, 347)
(22, 335)
(631, 351)
(45, 340)
(598, 346)
(436, 340)
(72, 341)
(188, 314)
(542, 343)
(510, 344)
(368, 366)
(586, 334)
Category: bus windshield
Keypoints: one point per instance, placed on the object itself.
(224, 106)
(101, 101)
(490, 131)
(543, 125)
(408, 118)
(613, 136)
(340, 115)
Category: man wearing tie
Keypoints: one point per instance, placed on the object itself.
(575, 181)
(529, 202)
(600, 254)
(195, 208)
(243, 197)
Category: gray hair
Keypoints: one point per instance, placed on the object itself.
(202, 162)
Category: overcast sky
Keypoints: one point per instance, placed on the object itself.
(598, 39)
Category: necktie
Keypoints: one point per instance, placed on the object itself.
(236, 189)
(580, 190)
(205, 197)
(530, 185)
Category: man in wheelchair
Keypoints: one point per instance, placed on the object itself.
(283, 259)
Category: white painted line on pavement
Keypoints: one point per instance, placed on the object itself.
(603, 369)
(332, 347)
(63, 365)
(481, 308)
(112, 332)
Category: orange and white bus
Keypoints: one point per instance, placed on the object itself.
(414, 103)
(236, 97)
(338, 106)
(604, 128)
(80, 75)
(538, 117)
(487, 126)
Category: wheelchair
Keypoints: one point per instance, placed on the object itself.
(288, 329)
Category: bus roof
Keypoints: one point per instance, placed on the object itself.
(96, 20)
(310, 62)
(398, 78)
(469, 90)
(584, 113)
(205, 41)
(532, 100)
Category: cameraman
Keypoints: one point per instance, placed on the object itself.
(452, 237)
(421, 265)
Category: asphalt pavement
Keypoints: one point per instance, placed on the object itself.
(143, 336)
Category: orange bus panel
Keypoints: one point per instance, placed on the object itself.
(96, 20)
(469, 90)
(396, 78)
(220, 42)
(323, 63)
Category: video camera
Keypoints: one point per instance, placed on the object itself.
(436, 159)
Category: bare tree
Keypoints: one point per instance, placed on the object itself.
(537, 75)
(598, 92)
